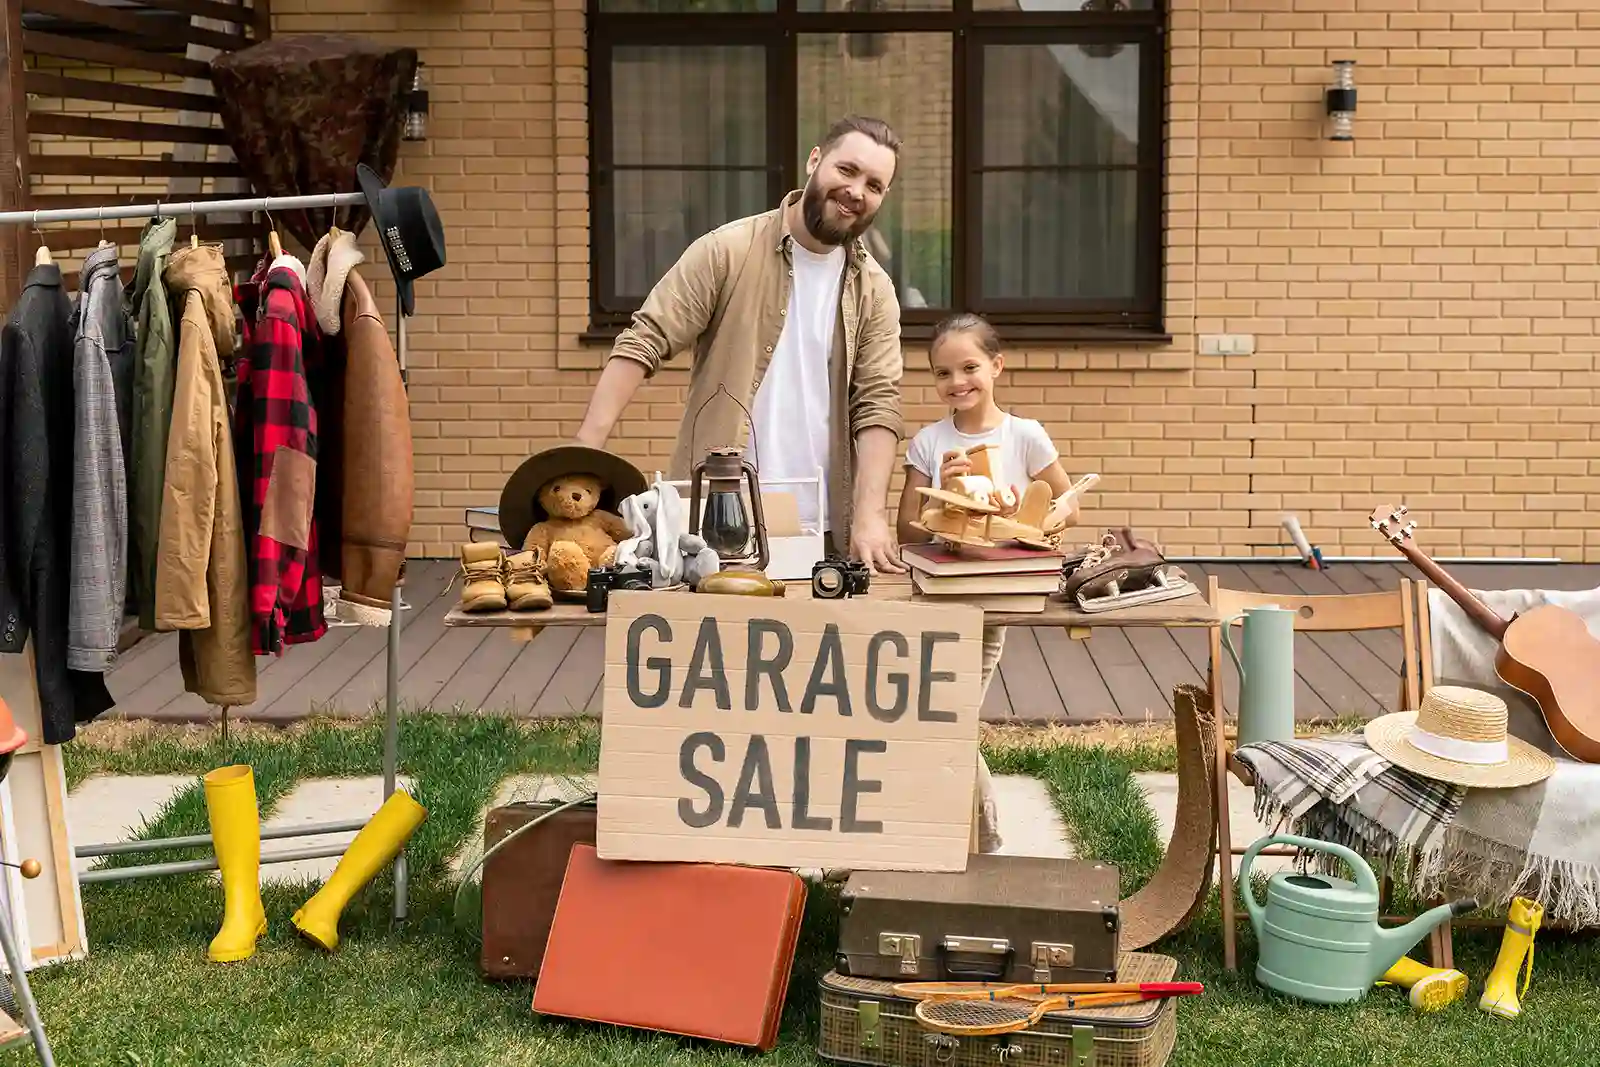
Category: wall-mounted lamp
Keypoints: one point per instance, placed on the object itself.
(417, 106)
(1341, 100)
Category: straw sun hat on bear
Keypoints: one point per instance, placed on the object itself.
(1459, 735)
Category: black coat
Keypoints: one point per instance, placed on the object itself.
(36, 501)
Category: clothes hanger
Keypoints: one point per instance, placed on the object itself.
(194, 226)
(41, 258)
(103, 242)
(272, 234)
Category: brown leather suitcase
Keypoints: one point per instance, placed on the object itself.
(1003, 919)
(522, 881)
(696, 949)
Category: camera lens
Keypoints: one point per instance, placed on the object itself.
(829, 580)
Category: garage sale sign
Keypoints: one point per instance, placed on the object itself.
(783, 732)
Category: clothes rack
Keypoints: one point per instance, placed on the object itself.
(391, 735)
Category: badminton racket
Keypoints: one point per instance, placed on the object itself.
(961, 1017)
(1029, 990)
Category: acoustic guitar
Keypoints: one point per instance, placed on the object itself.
(1547, 653)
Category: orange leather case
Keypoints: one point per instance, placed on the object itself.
(696, 949)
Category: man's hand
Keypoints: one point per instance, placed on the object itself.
(873, 543)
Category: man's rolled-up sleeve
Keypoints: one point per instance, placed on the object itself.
(880, 362)
(678, 309)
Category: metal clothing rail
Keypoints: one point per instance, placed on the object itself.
(391, 733)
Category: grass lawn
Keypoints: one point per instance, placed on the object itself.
(148, 996)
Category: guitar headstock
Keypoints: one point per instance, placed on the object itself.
(1387, 520)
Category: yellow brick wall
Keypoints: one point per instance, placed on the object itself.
(1423, 300)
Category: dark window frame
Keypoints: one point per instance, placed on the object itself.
(1140, 321)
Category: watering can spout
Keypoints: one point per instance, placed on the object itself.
(1391, 943)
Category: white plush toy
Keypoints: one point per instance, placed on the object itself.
(660, 542)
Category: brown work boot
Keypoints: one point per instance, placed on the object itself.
(483, 568)
(526, 589)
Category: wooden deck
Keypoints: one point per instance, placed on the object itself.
(1045, 676)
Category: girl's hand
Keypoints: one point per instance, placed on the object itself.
(955, 465)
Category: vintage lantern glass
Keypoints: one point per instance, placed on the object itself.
(738, 537)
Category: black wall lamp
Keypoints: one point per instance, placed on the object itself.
(1341, 100)
(417, 106)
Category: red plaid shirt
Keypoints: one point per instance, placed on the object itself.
(276, 444)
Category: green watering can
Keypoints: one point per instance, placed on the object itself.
(1319, 935)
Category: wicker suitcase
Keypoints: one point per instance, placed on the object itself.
(1005, 918)
(522, 881)
(864, 1023)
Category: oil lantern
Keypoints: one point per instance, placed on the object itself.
(725, 524)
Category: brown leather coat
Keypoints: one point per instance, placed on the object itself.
(378, 475)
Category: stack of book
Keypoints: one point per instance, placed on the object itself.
(1010, 578)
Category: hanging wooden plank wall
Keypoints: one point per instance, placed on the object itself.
(96, 96)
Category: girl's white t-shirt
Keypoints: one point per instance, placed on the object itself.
(1024, 449)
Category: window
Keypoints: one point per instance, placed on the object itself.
(1029, 187)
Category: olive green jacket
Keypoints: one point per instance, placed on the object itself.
(155, 360)
(725, 302)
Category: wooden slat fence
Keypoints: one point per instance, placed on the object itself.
(107, 101)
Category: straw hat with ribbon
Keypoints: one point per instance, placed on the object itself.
(1459, 735)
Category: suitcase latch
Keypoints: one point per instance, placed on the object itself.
(1048, 955)
(867, 1023)
(1082, 1045)
(906, 946)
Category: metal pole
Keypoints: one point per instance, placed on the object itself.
(268, 833)
(19, 983)
(391, 725)
(181, 207)
(156, 870)
(1297, 561)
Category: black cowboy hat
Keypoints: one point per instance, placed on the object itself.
(408, 228)
(520, 509)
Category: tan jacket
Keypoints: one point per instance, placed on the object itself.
(726, 299)
(202, 583)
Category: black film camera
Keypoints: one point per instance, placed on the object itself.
(835, 579)
(602, 580)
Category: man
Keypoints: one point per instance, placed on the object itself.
(789, 315)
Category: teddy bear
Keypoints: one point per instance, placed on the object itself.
(576, 533)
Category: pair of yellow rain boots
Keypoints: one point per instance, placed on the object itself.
(1432, 988)
(236, 838)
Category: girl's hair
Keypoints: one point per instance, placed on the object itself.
(967, 323)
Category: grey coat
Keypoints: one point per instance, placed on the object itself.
(36, 419)
(102, 376)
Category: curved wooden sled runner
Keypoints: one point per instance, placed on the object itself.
(1177, 890)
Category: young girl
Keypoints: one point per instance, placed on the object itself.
(967, 362)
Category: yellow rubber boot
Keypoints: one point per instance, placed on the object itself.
(1431, 988)
(236, 839)
(385, 834)
(1500, 994)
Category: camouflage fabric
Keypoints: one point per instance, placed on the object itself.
(303, 109)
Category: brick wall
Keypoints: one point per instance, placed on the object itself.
(1423, 300)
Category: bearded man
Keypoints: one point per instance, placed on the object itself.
(790, 314)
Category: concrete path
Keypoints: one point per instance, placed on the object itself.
(115, 808)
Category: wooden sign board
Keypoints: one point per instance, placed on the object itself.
(47, 911)
(781, 732)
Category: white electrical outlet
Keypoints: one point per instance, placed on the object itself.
(1211, 344)
(1239, 344)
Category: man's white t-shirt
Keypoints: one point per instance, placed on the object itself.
(1019, 449)
(793, 407)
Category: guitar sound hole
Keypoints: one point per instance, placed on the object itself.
(1306, 611)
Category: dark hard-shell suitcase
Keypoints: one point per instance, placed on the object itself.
(865, 1023)
(522, 882)
(1003, 919)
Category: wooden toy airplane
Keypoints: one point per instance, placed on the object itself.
(978, 511)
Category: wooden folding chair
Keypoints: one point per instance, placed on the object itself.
(1345, 612)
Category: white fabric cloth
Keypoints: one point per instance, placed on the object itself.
(793, 409)
(1540, 841)
(1023, 445)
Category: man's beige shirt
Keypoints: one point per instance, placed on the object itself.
(726, 301)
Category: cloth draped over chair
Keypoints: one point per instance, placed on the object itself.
(303, 109)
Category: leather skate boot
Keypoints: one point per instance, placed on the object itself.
(483, 568)
(1500, 994)
(526, 588)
